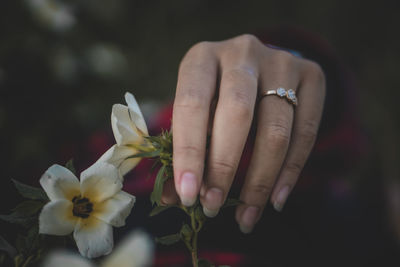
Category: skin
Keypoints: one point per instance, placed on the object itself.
(218, 94)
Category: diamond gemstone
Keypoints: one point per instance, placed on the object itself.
(291, 94)
(281, 92)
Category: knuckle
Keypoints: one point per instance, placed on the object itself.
(240, 73)
(244, 46)
(243, 112)
(239, 104)
(190, 99)
(278, 135)
(263, 189)
(283, 63)
(194, 67)
(307, 132)
(282, 58)
(315, 70)
(167, 200)
(221, 168)
(200, 48)
(188, 151)
(247, 40)
(240, 99)
(196, 56)
(294, 167)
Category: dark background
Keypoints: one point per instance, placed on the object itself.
(58, 80)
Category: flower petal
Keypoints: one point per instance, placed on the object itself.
(65, 259)
(100, 182)
(135, 250)
(94, 240)
(59, 183)
(127, 165)
(117, 156)
(124, 130)
(136, 114)
(56, 218)
(115, 210)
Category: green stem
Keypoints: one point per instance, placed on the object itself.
(28, 261)
(196, 228)
(194, 251)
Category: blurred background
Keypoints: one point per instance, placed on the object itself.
(64, 63)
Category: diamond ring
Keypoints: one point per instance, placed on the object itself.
(290, 94)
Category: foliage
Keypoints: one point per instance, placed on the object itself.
(188, 234)
(29, 246)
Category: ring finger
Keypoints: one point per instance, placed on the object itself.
(274, 125)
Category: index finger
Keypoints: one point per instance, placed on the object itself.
(195, 89)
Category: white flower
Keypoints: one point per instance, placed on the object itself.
(107, 60)
(52, 14)
(135, 251)
(129, 130)
(88, 208)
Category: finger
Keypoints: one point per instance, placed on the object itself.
(232, 121)
(306, 121)
(274, 123)
(195, 89)
(169, 195)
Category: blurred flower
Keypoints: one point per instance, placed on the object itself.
(129, 130)
(88, 208)
(136, 250)
(107, 60)
(65, 64)
(52, 14)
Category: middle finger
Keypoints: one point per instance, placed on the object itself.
(232, 121)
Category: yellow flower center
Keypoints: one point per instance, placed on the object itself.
(82, 207)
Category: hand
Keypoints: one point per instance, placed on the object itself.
(218, 93)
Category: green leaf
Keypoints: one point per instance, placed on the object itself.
(168, 239)
(153, 138)
(199, 214)
(20, 244)
(70, 166)
(230, 202)
(154, 166)
(155, 196)
(32, 238)
(5, 246)
(186, 233)
(19, 259)
(28, 243)
(18, 220)
(151, 154)
(204, 263)
(24, 213)
(159, 209)
(28, 208)
(30, 192)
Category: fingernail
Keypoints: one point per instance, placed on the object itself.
(249, 218)
(188, 190)
(281, 198)
(212, 202)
